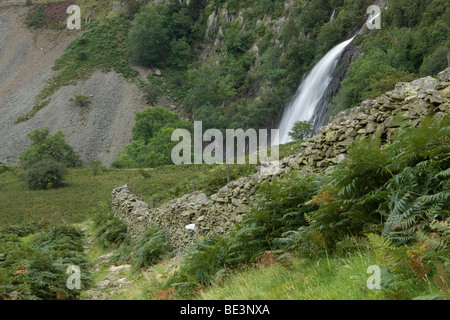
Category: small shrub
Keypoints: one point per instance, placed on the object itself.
(38, 271)
(96, 167)
(150, 248)
(144, 174)
(23, 230)
(81, 100)
(45, 173)
(111, 232)
(5, 168)
(36, 18)
(152, 93)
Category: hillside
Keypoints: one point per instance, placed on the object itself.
(233, 64)
(26, 60)
(93, 206)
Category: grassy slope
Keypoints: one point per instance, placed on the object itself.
(302, 279)
(84, 191)
(305, 279)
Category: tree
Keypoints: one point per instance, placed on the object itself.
(150, 121)
(182, 23)
(152, 145)
(149, 39)
(180, 53)
(45, 146)
(44, 173)
(301, 130)
(132, 6)
(435, 63)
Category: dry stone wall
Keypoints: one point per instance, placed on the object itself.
(195, 215)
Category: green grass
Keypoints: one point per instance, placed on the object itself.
(302, 279)
(312, 279)
(305, 279)
(76, 201)
(84, 190)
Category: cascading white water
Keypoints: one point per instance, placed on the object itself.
(311, 92)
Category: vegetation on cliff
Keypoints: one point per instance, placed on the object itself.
(413, 40)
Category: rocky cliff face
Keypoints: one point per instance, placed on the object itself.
(195, 215)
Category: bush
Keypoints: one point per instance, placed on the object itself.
(395, 190)
(81, 100)
(368, 77)
(111, 231)
(281, 208)
(36, 18)
(23, 230)
(47, 172)
(152, 145)
(5, 168)
(180, 53)
(149, 248)
(96, 167)
(151, 93)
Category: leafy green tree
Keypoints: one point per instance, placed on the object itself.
(132, 6)
(235, 41)
(152, 145)
(301, 130)
(45, 146)
(399, 53)
(368, 77)
(288, 30)
(315, 13)
(159, 149)
(149, 38)
(150, 121)
(207, 85)
(182, 24)
(180, 53)
(211, 117)
(435, 63)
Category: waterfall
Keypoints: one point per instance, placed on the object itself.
(332, 16)
(311, 92)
